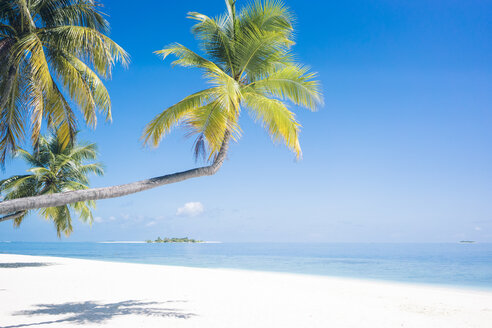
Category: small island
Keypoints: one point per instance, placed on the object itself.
(174, 240)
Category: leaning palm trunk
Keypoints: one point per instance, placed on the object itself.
(17, 206)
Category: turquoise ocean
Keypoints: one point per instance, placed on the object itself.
(458, 264)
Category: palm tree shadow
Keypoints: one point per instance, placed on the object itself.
(15, 265)
(94, 312)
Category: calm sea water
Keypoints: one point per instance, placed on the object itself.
(446, 264)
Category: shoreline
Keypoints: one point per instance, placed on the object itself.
(295, 274)
(476, 288)
(465, 287)
(116, 294)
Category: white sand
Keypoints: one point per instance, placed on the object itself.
(74, 293)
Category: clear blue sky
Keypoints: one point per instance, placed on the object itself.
(401, 150)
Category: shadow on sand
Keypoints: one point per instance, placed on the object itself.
(91, 312)
(15, 265)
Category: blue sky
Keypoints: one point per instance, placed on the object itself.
(401, 151)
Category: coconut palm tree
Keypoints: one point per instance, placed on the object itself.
(55, 168)
(49, 49)
(249, 63)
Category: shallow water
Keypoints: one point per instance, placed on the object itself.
(467, 265)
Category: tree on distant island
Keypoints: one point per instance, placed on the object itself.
(55, 168)
(174, 240)
(249, 64)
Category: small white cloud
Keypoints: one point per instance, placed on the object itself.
(98, 219)
(112, 218)
(150, 224)
(478, 229)
(190, 209)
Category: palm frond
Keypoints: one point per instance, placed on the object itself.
(258, 50)
(94, 168)
(279, 121)
(18, 220)
(18, 186)
(83, 210)
(11, 123)
(29, 158)
(188, 58)
(83, 152)
(209, 122)
(215, 39)
(80, 12)
(268, 15)
(86, 43)
(60, 115)
(293, 82)
(165, 121)
(84, 86)
(61, 217)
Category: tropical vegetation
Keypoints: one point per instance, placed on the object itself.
(248, 61)
(173, 240)
(248, 64)
(55, 168)
(51, 49)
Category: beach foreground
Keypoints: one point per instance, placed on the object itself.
(61, 292)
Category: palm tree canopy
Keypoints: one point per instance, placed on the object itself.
(49, 48)
(248, 62)
(55, 168)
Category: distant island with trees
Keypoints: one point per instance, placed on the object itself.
(174, 240)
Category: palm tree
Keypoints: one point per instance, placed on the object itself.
(248, 64)
(49, 48)
(55, 168)
(248, 61)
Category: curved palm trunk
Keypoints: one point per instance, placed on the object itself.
(28, 203)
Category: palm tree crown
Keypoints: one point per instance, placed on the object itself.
(48, 47)
(55, 168)
(248, 63)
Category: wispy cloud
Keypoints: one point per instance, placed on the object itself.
(190, 209)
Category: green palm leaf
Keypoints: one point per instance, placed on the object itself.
(294, 83)
(164, 122)
(279, 121)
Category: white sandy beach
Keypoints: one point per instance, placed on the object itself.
(74, 293)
